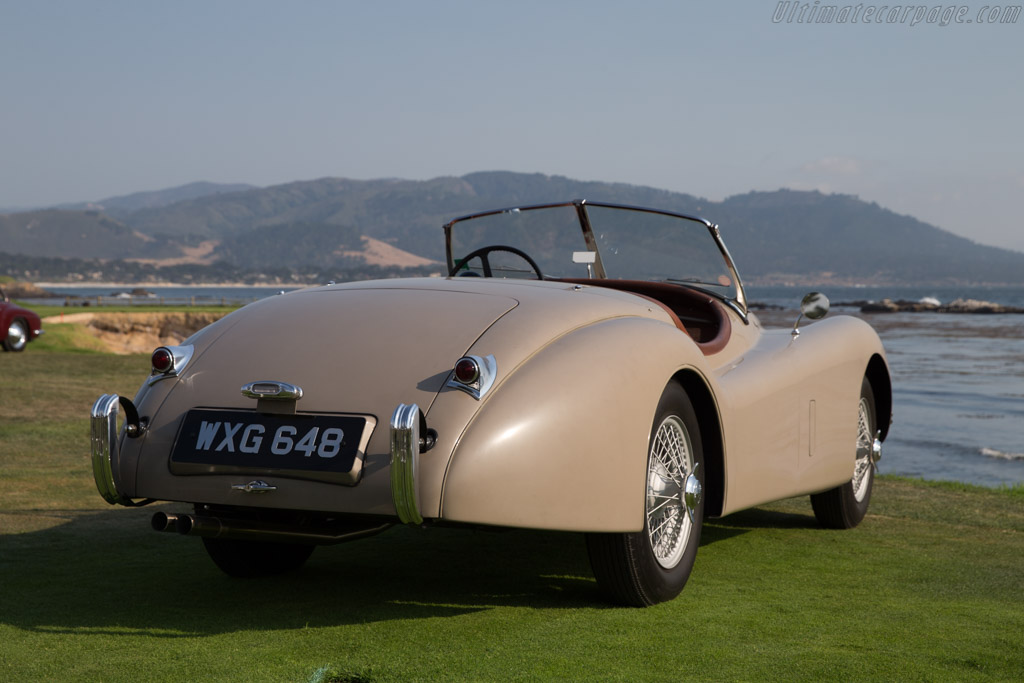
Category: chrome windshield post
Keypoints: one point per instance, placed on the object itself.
(740, 304)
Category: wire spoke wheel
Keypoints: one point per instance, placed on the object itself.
(669, 464)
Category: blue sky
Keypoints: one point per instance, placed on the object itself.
(714, 99)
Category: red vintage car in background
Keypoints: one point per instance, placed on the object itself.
(18, 325)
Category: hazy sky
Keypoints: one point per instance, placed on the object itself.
(712, 98)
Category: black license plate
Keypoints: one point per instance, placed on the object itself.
(241, 439)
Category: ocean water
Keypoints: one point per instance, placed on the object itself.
(161, 293)
(958, 379)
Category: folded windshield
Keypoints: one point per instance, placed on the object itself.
(588, 240)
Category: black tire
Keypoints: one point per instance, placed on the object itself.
(248, 559)
(628, 568)
(845, 506)
(16, 338)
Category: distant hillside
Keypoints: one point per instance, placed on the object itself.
(809, 236)
(317, 225)
(126, 204)
(69, 234)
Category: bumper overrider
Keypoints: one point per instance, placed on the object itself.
(104, 440)
(409, 438)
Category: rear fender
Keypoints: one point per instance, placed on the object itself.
(561, 443)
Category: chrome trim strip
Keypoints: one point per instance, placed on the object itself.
(182, 355)
(103, 428)
(488, 372)
(405, 452)
(272, 390)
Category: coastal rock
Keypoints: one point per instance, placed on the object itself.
(930, 305)
(138, 292)
(976, 306)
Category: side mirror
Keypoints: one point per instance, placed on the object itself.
(814, 306)
(588, 257)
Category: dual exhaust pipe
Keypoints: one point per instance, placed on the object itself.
(206, 526)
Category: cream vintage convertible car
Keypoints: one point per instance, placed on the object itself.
(584, 367)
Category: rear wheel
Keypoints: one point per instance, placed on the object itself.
(845, 506)
(246, 559)
(17, 336)
(652, 565)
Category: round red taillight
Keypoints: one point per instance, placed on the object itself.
(163, 360)
(467, 371)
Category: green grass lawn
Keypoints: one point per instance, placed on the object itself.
(929, 588)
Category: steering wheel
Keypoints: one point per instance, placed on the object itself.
(483, 252)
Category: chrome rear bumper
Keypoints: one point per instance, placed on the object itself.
(407, 424)
(103, 427)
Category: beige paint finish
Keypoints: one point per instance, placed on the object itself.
(346, 356)
(765, 403)
(563, 444)
(360, 350)
(579, 442)
(560, 442)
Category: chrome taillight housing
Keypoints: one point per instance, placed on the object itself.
(474, 375)
(169, 361)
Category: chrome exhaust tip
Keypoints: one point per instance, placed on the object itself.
(164, 521)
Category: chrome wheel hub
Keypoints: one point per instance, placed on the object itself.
(673, 491)
(16, 336)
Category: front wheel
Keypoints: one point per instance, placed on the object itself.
(845, 506)
(17, 336)
(652, 565)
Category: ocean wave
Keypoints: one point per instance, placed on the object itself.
(994, 453)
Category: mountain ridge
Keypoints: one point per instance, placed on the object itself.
(777, 236)
(121, 205)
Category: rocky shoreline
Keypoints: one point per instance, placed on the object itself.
(931, 306)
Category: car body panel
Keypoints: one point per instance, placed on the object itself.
(787, 406)
(532, 442)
